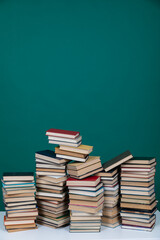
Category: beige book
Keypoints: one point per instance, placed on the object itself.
(21, 226)
(138, 184)
(75, 166)
(20, 229)
(138, 206)
(69, 153)
(87, 203)
(86, 198)
(85, 170)
(84, 149)
(86, 209)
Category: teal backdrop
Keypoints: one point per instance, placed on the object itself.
(91, 66)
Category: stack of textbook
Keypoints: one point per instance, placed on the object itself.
(86, 202)
(138, 203)
(19, 199)
(52, 196)
(110, 179)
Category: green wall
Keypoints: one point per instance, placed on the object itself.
(89, 65)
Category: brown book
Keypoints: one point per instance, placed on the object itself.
(85, 170)
(21, 226)
(139, 184)
(23, 214)
(49, 190)
(142, 160)
(139, 224)
(138, 197)
(87, 174)
(111, 173)
(21, 218)
(138, 166)
(50, 170)
(138, 206)
(75, 166)
(141, 201)
(87, 203)
(60, 184)
(19, 199)
(54, 210)
(19, 195)
(69, 153)
(86, 198)
(20, 229)
(115, 162)
(85, 218)
(86, 209)
(51, 198)
(137, 179)
(53, 180)
(53, 215)
(111, 212)
(84, 149)
(111, 220)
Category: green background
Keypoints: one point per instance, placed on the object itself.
(91, 66)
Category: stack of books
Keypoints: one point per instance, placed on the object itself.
(138, 203)
(19, 199)
(81, 170)
(86, 202)
(52, 196)
(110, 179)
(64, 137)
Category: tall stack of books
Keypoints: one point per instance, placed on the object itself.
(19, 199)
(110, 179)
(52, 196)
(86, 203)
(138, 203)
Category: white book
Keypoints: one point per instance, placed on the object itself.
(40, 161)
(111, 188)
(75, 140)
(79, 213)
(38, 165)
(87, 193)
(87, 188)
(72, 158)
(47, 194)
(65, 143)
(138, 188)
(137, 228)
(39, 173)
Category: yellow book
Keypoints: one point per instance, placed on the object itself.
(85, 149)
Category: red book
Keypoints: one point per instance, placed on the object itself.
(62, 133)
(87, 182)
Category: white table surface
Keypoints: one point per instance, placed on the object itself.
(47, 233)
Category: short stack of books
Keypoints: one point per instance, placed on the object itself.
(110, 180)
(138, 203)
(64, 137)
(81, 170)
(86, 202)
(52, 195)
(19, 199)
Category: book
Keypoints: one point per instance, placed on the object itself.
(69, 153)
(83, 149)
(18, 176)
(90, 181)
(72, 158)
(62, 139)
(65, 143)
(115, 162)
(62, 133)
(49, 155)
(142, 160)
